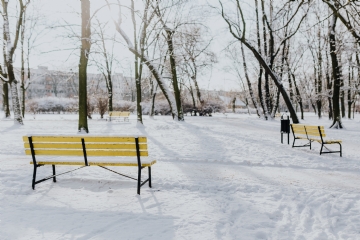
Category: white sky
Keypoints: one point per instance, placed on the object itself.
(57, 51)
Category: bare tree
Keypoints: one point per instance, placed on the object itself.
(237, 29)
(105, 65)
(196, 56)
(148, 62)
(9, 50)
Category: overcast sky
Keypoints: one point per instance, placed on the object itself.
(57, 51)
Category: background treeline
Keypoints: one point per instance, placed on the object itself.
(285, 55)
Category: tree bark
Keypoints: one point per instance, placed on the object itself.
(169, 35)
(84, 57)
(6, 98)
(336, 75)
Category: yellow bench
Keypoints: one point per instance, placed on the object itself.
(313, 134)
(86, 151)
(277, 115)
(116, 114)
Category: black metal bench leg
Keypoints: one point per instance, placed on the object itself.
(149, 169)
(139, 180)
(34, 177)
(53, 168)
(322, 145)
(340, 150)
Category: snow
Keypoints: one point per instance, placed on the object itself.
(221, 177)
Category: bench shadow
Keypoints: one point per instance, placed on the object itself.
(50, 222)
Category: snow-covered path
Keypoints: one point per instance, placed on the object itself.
(216, 178)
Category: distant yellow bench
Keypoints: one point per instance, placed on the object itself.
(117, 114)
(103, 150)
(313, 134)
(277, 115)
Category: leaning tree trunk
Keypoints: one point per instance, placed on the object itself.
(276, 80)
(84, 57)
(336, 75)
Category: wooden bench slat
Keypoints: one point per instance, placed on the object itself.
(88, 146)
(56, 152)
(89, 152)
(87, 139)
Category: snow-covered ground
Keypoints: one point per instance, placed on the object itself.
(221, 177)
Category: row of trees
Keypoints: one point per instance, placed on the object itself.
(288, 34)
(290, 51)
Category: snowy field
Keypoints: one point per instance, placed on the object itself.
(221, 177)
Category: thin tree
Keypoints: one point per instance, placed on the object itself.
(84, 58)
(9, 50)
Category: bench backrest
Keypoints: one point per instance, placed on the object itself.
(315, 131)
(310, 131)
(119, 114)
(94, 145)
(298, 129)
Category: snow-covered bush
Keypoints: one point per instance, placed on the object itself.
(124, 106)
(52, 104)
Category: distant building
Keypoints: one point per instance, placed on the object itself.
(45, 82)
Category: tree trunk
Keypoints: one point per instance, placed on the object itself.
(233, 104)
(6, 98)
(298, 97)
(9, 49)
(261, 99)
(153, 96)
(267, 88)
(84, 57)
(251, 93)
(319, 82)
(22, 84)
(137, 70)
(336, 75)
(174, 75)
(329, 88)
(349, 100)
